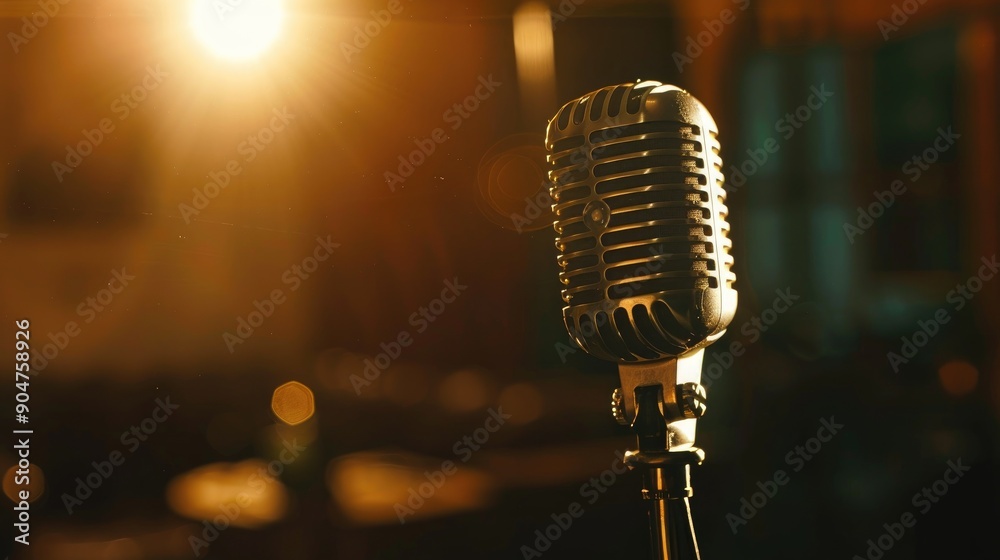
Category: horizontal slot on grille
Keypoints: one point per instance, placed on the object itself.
(583, 279)
(669, 127)
(576, 157)
(673, 196)
(567, 143)
(678, 248)
(583, 261)
(566, 176)
(579, 245)
(638, 146)
(659, 181)
(571, 211)
(646, 287)
(658, 213)
(572, 228)
(586, 296)
(656, 266)
(572, 193)
(647, 162)
(649, 233)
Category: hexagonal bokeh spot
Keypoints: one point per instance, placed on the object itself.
(293, 403)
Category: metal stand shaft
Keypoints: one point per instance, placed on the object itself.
(667, 490)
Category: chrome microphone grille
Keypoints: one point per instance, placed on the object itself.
(640, 222)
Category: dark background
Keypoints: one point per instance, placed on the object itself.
(499, 343)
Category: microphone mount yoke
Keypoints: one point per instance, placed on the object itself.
(661, 401)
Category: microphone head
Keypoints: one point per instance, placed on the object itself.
(640, 223)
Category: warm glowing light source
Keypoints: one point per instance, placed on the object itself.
(958, 377)
(293, 403)
(237, 29)
(35, 486)
(524, 401)
(247, 493)
(375, 488)
(465, 390)
(535, 54)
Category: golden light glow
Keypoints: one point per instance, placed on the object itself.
(249, 491)
(293, 403)
(535, 54)
(523, 401)
(239, 30)
(465, 390)
(958, 377)
(35, 487)
(371, 487)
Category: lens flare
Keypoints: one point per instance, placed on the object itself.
(239, 30)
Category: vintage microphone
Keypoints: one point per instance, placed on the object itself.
(646, 270)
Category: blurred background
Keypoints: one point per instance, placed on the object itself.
(225, 219)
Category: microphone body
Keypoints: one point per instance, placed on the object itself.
(644, 256)
(640, 222)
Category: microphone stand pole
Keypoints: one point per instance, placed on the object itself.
(661, 402)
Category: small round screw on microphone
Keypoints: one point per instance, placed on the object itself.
(596, 216)
(618, 407)
(693, 400)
